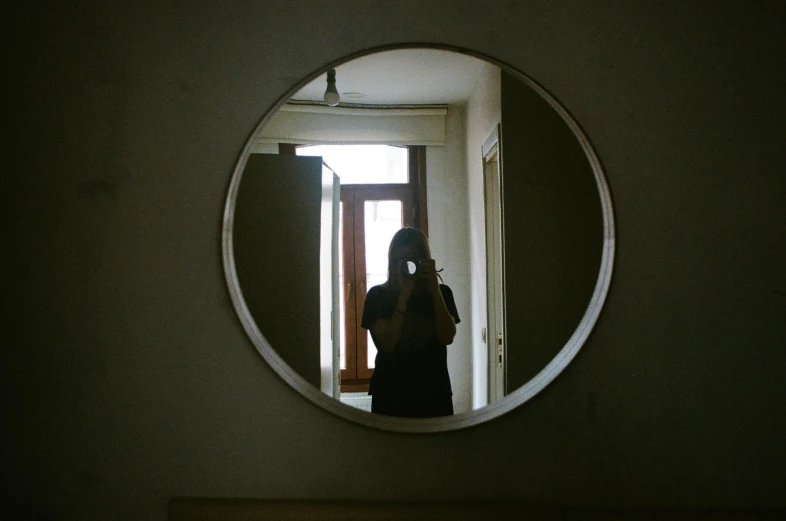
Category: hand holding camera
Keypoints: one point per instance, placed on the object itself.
(410, 268)
(411, 271)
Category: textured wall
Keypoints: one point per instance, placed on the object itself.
(127, 378)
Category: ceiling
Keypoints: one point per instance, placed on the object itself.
(404, 76)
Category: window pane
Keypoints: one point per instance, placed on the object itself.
(363, 164)
(382, 219)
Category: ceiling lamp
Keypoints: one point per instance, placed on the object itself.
(331, 94)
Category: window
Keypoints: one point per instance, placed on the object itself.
(382, 189)
(363, 164)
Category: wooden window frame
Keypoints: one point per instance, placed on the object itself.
(356, 375)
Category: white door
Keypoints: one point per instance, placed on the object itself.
(329, 285)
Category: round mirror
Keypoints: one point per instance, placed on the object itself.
(500, 180)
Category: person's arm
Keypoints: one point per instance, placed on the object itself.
(444, 323)
(386, 332)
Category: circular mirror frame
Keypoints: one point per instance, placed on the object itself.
(445, 423)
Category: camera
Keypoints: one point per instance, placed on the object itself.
(410, 268)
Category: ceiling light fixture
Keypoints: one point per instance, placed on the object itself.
(331, 94)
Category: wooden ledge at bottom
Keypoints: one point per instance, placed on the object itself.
(197, 509)
(205, 509)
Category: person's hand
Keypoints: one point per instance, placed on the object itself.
(406, 283)
(427, 271)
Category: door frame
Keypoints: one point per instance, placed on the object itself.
(354, 254)
(496, 338)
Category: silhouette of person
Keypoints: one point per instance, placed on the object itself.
(412, 318)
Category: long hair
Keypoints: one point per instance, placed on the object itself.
(407, 236)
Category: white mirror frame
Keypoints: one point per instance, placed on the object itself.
(445, 423)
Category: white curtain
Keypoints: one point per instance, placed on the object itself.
(319, 124)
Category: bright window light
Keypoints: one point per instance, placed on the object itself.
(363, 164)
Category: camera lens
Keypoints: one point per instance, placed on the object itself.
(410, 268)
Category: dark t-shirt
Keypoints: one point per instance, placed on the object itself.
(418, 365)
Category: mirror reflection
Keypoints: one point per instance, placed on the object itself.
(495, 192)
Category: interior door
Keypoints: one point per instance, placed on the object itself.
(328, 280)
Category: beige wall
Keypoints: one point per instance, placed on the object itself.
(127, 378)
(483, 116)
(447, 230)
